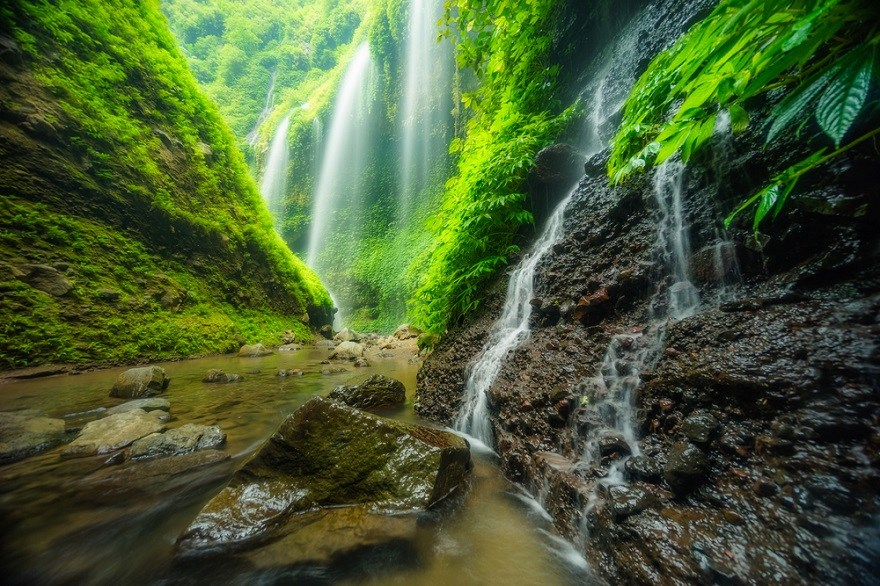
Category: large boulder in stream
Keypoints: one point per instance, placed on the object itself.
(113, 433)
(146, 381)
(376, 391)
(347, 335)
(25, 433)
(253, 351)
(182, 440)
(348, 351)
(325, 455)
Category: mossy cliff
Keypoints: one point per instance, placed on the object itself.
(129, 226)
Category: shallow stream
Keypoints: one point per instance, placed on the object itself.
(89, 522)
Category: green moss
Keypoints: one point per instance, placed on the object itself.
(116, 165)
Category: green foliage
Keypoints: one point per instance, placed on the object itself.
(144, 182)
(742, 49)
(513, 115)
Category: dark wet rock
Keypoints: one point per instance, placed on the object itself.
(45, 278)
(686, 468)
(327, 331)
(140, 478)
(290, 372)
(361, 363)
(289, 348)
(613, 445)
(112, 433)
(135, 383)
(348, 351)
(215, 375)
(643, 468)
(376, 391)
(347, 335)
(25, 433)
(148, 404)
(625, 501)
(700, 427)
(591, 305)
(253, 351)
(558, 165)
(328, 454)
(181, 440)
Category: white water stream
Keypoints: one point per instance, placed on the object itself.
(254, 134)
(274, 183)
(507, 333)
(428, 68)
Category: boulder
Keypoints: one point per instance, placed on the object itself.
(700, 427)
(324, 455)
(146, 381)
(215, 375)
(112, 433)
(558, 165)
(348, 351)
(686, 468)
(347, 335)
(148, 404)
(45, 278)
(406, 332)
(361, 363)
(253, 350)
(182, 440)
(25, 433)
(376, 391)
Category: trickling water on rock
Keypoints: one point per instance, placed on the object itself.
(511, 329)
(254, 134)
(274, 184)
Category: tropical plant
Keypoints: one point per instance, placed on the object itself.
(742, 49)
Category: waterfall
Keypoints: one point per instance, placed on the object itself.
(507, 333)
(274, 183)
(254, 134)
(338, 195)
(424, 103)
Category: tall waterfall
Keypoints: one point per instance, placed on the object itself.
(343, 159)
(274, 183)
(507, 333)
(425, 103)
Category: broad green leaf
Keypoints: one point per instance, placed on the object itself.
(792, 107)
(842, 101)
(739, 119)
(768, 195)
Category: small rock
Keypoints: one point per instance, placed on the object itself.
(45, 278)
(146, 381)
(25, 433)
(149, 404)
(215, 375)
(290, 372)
(347, 335)
(289, 348)
(686, 468)
(626, 501)
(378, 390)
(362, 363)
(643, 468)
(334, 370)
(253, 350)
(700, 427)
(182, 440)
(614, 445)
(347, 351)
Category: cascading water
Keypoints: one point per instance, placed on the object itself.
(342, 162)
(424, 108)
(507, 333)
(254, 134)
(274, 183)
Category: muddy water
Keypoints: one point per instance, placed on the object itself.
(84, 521)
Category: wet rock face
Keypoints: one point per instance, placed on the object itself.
(376, 391)
(328, 454)
(113, 433)
(182, 440)
(757, 417)
(140, 382)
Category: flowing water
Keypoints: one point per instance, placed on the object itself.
(82, 521)
(424, 109)
(343, 159)
(254, 135)
(507, 333)
(273, 187)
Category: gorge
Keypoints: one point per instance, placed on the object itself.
(633, 246)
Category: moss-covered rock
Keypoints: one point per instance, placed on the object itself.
(328, 454)
(135, 383)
